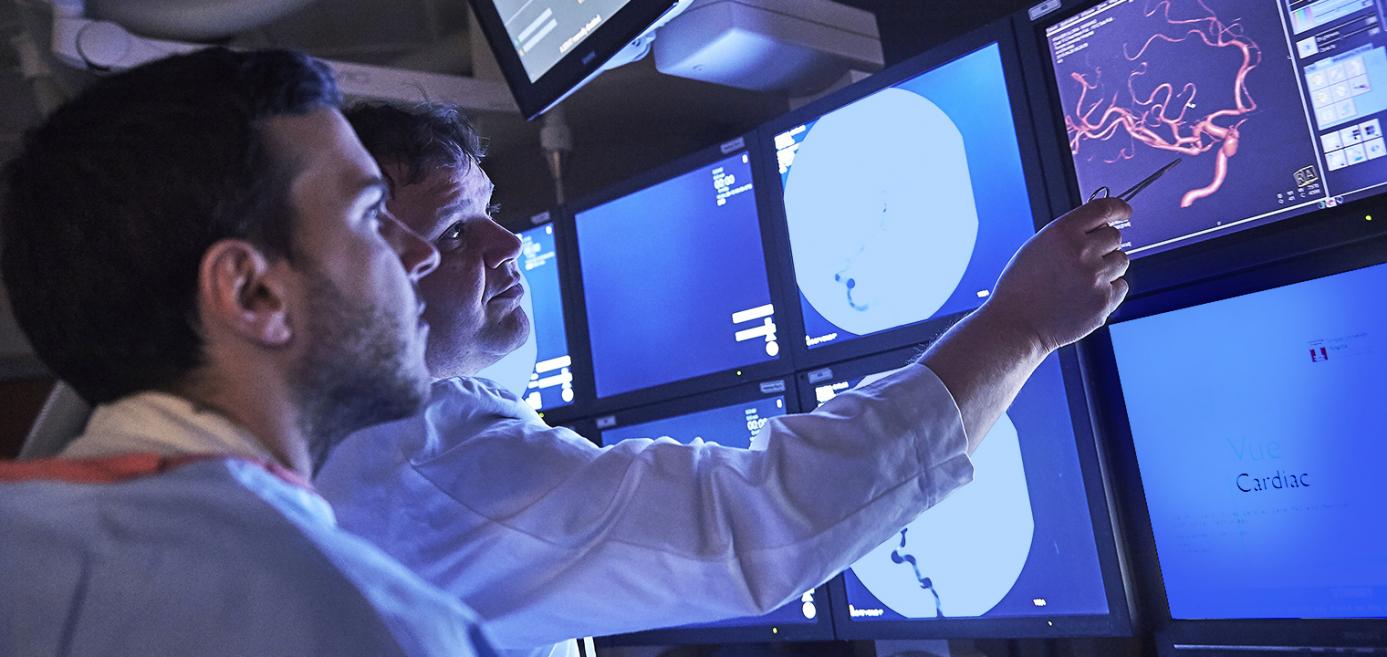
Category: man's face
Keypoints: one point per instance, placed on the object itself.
(474, 296)
(361, 354)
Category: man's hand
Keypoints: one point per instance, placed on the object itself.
(1059, 287)
(1067, 279)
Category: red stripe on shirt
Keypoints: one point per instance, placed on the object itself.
(115, 469)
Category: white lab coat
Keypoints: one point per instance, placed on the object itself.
(162, 532)
(549, 537)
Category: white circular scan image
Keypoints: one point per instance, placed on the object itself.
(514, 369)
(880, 210)
(961, 557)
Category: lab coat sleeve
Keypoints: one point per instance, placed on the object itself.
(548, 537)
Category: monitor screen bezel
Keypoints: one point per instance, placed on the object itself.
(701, 402)
(1115, 433)
(1199, 261)
(999, 32)
(1119, 621)
(822, 630)
(819, 631)
(586, 59)
(783, 365)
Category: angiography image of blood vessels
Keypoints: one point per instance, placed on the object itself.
(919, 574)
(904, 204)
(1208, 81)
(1160, 118)
(911, 219)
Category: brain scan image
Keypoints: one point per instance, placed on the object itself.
(949, 562)
(1211, 83)
(1017, 541)
(892, 249)
(904, 204)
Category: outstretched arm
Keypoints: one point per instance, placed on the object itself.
(549, 537)
(1060, 286)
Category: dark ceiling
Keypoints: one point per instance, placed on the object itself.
(909, 27)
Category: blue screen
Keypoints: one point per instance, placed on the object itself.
(551, 383)
(731, 426)
(1273, 109)
(905, 205)
(1258, 423)
(675, 280)
(1017, 541)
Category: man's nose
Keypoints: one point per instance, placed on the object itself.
(502, 245)
(418, 256)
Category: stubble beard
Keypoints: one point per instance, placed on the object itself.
(355, 372)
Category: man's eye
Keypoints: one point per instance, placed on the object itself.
(375, 213)
(452, 234)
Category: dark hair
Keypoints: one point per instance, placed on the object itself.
(422, 137)
(112, 202)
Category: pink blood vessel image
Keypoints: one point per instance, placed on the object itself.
(1164, 115)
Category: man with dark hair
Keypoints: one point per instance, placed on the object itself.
(549, 537)
(199, 246)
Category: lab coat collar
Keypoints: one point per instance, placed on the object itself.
(166, 425)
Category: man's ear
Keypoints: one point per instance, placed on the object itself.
(242, 291)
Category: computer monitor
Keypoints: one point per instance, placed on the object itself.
(551, 383)
(731, 425)
(674, 278)
(1273, 109)
(731, 418)
(548, 48)
(1026, 549)
(1255, 425)
(906, 195)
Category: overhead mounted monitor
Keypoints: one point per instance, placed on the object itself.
(548, 48)
(904, 203)
(551, 382)
(731, 419)
(1042, 562)
(674, 278)
(1257, 425)
(1275, 109)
